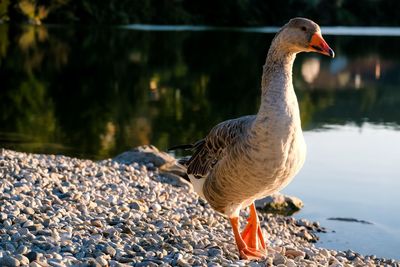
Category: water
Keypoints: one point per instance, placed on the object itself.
(353, 172)
(93, 93)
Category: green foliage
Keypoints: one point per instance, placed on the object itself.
(36, 11)
(207, 12)
(4, 4)
(4, 42)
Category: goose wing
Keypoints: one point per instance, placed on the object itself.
(208, 151)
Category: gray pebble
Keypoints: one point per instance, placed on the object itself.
(28, 210)
(27, 224)
(34, 256)
(35, 227)
(91, 262)
(22, 249)
(3, 216)
(138, 248)
(109, 250)
(279, 259)
(215, 252)
(146, 264)
(156, 207)
(97, 223)
(22, 259)
(102, 261)
(9, 261)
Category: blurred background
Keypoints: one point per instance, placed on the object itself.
(205, 12)
(83, 79)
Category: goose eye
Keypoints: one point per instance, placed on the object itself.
(303, 28)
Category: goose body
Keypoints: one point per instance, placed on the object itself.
(251, 157)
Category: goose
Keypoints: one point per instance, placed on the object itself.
(248, 158)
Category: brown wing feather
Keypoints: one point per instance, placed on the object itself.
(208, 151)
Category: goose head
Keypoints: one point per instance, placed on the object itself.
(302, 35)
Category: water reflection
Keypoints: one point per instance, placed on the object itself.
(310, 69)
(96, 92)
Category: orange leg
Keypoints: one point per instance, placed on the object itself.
(252, 233)
(250, 243)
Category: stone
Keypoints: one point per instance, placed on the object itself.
(27, 224)
(325, 253)
(34, 256)
(290, 263)
(22, 259)
(145, 155)
(3, 216)
(146, 264)
(22, 249)
(214, 252)
(156, 207)
(28, 210)
(293, 253)
(183, 263)
(109, 250)
(96, 223)
(279, 259)
(279, 204)
(91, 262)
(102, 261)
(9, 261)
(35, 227)
(255, 264)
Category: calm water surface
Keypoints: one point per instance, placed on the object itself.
(93, 93)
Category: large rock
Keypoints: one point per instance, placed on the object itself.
(168, 167)
(145, 155)
(279, 204)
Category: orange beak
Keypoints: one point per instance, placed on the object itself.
(319, 45)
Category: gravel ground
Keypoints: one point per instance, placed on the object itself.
(61, 211)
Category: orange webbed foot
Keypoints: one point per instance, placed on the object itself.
(250, 242)
(248, 253)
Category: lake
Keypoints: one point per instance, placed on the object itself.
(95, 92)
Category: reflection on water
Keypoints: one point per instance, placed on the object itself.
(96, 92)
(353, 172)
(93, 93)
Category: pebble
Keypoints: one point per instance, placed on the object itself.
(96, 223)
(55, 262)
(156, 207)
(325, 253)
(102, 261)
(34, 256)
(279, 259)
(214, 252)
(3, 216)
(290, 263)
(9, 261)
(22, 249)
(59, 211)
(27, 224)
(29, 211)
(292, 253)
(109, 250)
(146, 264)
(22, 259)
(255, 264)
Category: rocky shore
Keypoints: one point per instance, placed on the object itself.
(61, 211)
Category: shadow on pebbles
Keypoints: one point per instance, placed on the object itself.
(132, 211)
